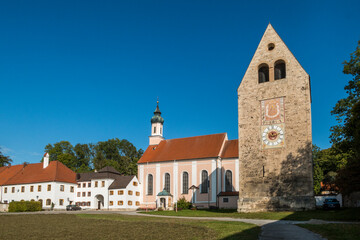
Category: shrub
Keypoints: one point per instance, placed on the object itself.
(24, 206)
(183, 203)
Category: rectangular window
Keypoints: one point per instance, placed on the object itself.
(31, 188)
(225, 200)
(62, 188)
(130, 192)
(137, 203)
(79, 185)
(137, 193)
(39, 188)
(78, 194)
(49, 187)
(96, 183)
(111, 203)
(5, 190)
(84, 194)
(22, 189)
(120, 203)
(102, 183)
(135, 183)
(61, 202)
(120, 192)
(89, 194)
(89, 184)
(111, 192)
(84, 185)
(13, 189)
(154, 129)
(71, 189)
(129, 203)
(88, 204)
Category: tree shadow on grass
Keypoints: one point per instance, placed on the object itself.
(248, 234)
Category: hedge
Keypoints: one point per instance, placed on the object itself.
(25, 206)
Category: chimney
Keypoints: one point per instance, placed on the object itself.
(46, 160)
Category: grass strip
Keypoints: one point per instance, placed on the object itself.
(350, 214)
(335, 231)
(116, 226)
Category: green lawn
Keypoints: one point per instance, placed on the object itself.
(116, 226)
(351, 214)
(335, 231)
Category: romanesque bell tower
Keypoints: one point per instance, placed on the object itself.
(275, 142)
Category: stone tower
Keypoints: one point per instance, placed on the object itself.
(275, 142)
(157, 123)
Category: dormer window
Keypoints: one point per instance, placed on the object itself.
(280, 70)
(263, 73)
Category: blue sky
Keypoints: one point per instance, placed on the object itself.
(88, 71)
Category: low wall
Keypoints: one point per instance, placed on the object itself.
(4, 207)
(352, 200)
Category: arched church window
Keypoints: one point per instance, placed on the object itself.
(185, 189)
(204, 181)
(150, 185)
(280, 70)
(263, 73)
(167, 182)
(228, 181)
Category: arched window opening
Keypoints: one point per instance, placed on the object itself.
(280, 70)
(228, 181)
(204, 182)
(167, 182)
(185, 189)
(48, 202)
(263, 73)
(150, 185)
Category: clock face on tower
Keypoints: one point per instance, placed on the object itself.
(273, 136)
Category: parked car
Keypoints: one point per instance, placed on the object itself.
(72, 208)
(331, 203)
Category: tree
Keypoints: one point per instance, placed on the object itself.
(63, 152)
(84, 154)
(343, 109)
(4, 160)
(345, 136)
(120, 154)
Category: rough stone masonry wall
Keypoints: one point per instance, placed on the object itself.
(279, 178)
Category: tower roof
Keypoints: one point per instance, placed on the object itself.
(157, 115)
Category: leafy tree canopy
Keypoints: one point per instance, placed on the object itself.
(345, 136)
(120, 154)
(4, 160)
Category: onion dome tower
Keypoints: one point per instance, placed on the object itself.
(157, 123)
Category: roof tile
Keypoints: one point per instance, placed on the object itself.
(35, 173)
(184, 148)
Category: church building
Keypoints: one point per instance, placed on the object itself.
(269, 166)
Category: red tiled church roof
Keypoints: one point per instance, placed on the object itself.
(231, 149)
(198, 147)
(35, 173)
